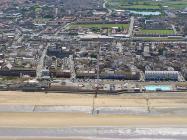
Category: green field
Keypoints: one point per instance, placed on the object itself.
(136, 5)
(142, 7)
(161, 39)
(161, 32)
(125, 26)
(146, 4)
(177, 4)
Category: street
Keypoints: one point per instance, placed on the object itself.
(41, 62)
(131, 26)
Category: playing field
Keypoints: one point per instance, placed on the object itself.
(125, 26)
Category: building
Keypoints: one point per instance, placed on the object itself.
(45, 74)
(161, 75)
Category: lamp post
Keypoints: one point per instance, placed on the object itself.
(97, 82)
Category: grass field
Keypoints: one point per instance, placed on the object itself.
(177, 4)
(162, 32)
(125, 26)
(146, 4)
(138, 5)
(161, 39)
(142, 7)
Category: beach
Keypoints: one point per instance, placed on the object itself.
(33, 115)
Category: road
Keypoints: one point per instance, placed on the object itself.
(142, 76)
(170, 14)
(41, 62)
(181, 78)
(109, 10)
(63, 28)
(99, 133)
(131, 26)
(72, 67)
(174, 29)
(18, 38)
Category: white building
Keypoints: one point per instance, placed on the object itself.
(161, 75)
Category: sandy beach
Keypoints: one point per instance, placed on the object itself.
(60, 119)
(36, 98)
